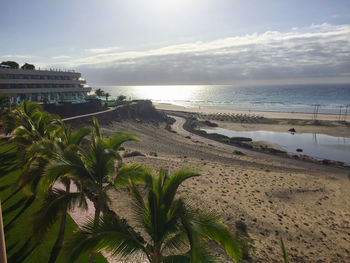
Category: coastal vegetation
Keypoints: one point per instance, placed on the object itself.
(15, 65)
(11, 64)
(101, 93)
(28, 66)
(172, 230)
(42, 160)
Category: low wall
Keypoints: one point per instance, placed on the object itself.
(68, 109)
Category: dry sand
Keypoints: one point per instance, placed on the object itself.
(306, 204)
(265, 114)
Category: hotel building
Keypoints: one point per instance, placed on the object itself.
(42, 85)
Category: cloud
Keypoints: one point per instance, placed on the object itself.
(9, 56)
(61, 57)
(314, 54)
(101, 50)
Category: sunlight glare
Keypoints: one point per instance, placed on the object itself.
(166, 93)
(171, 5)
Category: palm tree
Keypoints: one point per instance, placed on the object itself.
(172, 230)
(57, 202)
(56, 205)
(40, 138)
(34, 127)
(35, 141)
(121, 98)
(7, 120)
(93, 169)
(99, 93)
(107, 95)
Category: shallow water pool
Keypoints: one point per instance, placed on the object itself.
(319, 146)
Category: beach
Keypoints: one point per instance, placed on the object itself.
(266, 114)
(304, 203)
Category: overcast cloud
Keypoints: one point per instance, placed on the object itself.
(316, 54)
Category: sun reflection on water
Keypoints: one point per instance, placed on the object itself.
(166, 93)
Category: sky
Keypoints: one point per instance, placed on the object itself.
(151, 42)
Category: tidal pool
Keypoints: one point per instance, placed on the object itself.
(319, 146)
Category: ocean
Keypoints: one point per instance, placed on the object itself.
(332, 99)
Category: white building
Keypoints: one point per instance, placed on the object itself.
(42, 85)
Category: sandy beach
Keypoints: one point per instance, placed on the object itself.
(306, 204)
(266, 121)
(265, 114)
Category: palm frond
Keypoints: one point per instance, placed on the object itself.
(208, 225)
(284, 252)
(78, 135)
(175, 241)
(55, 203)
(96, 128)
(173, 183)
(117, 139)
(135, 172)
(112, 234)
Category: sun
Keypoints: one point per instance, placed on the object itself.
(171, 5)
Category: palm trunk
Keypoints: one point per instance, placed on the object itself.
(59, 241)
(96, 221)
(156, 256)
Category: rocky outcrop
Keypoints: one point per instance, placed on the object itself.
(140, 111)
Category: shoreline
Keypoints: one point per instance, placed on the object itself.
(264, 121)
(265, 114)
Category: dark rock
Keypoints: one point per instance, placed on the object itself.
(273, 150)
(153, 154)
(210, 124)
(132, 154)
(292, 130)
(238, 152)
(326, 162)
(188, 137)
(121, 148)
(170, 120)
(240, 139)
(299, 150)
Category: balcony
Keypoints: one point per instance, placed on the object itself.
(42, 90)
(41, 81)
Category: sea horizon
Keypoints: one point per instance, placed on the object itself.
(330, 98)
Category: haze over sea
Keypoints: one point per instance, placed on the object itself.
(288, 98)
